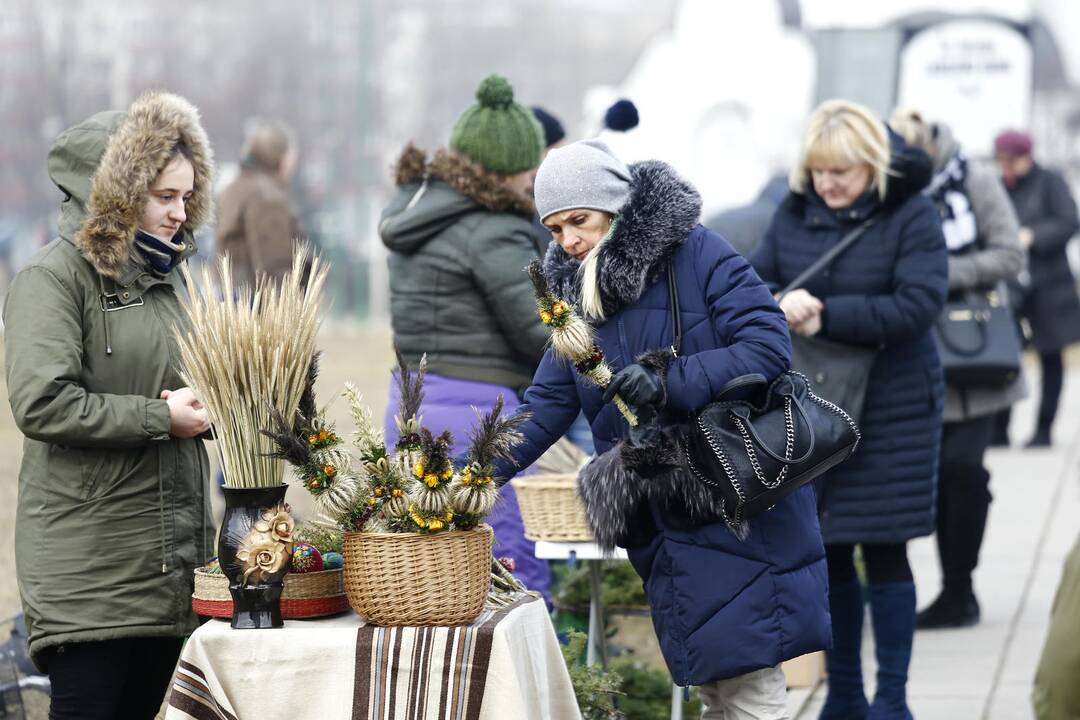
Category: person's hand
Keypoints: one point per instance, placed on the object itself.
(187, 416)
(636, 385)
(1027, 237)
(809, 327)
(799, 306)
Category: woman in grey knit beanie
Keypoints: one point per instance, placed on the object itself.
(727, 611)
(581, 188)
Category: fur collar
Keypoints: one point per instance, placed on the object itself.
(135, 154)
(662, 210)
(469, 178)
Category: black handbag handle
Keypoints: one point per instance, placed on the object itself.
(980, 324)
(761, 443)
(741, 382)
(984, 340)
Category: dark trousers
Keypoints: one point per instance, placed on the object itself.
(1053, 378)
(963, 500)
(110, 679)
(885, 563)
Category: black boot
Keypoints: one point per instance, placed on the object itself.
(1041, 439)
(950, 610)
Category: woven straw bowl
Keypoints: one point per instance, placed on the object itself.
(306, 595)
(551, 508)
(414, 579)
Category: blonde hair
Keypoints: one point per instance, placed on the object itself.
(592, 305)
(843, 132)
(910, 125)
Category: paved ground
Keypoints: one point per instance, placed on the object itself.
(986, 672)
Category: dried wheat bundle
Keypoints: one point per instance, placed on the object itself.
(245, 352)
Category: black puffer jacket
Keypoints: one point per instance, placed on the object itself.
(459, 243)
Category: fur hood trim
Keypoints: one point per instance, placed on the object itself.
(662, 210)
(135, 154)
(469, 178)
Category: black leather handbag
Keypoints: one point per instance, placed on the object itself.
(760, 441)
(839, 371)
(978, 341)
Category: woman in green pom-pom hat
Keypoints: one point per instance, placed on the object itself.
(459, 232)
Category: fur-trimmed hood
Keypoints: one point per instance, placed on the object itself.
(424, 211)
(662, 210)
(105, 164)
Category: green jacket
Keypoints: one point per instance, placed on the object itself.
(1056, 694)
(459, 244)
(112, 514)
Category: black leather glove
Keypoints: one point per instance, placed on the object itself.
(647, 432)
(637, 385)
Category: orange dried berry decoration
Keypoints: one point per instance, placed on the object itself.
(330, 470)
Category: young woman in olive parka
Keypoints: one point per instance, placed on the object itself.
(111, 506)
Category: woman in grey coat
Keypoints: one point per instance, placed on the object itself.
(983, 238)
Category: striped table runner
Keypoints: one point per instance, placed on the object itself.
(507, 664)
(419, 672)
(191, 694)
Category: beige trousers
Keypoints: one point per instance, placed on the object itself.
(758, 695)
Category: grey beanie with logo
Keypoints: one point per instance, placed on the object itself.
(584, 174)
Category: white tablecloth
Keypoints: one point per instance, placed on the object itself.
(505, 665)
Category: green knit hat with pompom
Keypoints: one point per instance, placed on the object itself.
(498, 133)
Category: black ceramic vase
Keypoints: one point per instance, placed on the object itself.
(257, 599)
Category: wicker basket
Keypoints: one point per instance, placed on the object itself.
(306, 595)
(551, 508)
(414, 579)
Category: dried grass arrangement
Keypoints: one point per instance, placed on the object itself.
(246, 353)
(407, 513)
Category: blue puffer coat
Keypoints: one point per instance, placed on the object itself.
(885, 291)
(721, 607)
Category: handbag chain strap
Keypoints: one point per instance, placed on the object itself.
(789, 446)
(733, 480)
